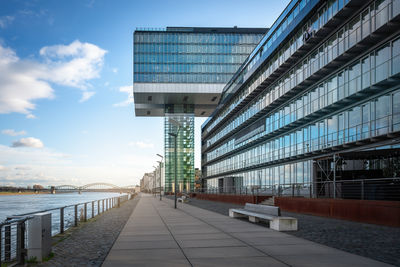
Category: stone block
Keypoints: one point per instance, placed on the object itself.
(283, 224)
(254, 219)
(234, 214)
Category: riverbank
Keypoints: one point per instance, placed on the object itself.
(89, 243)
(21, 193)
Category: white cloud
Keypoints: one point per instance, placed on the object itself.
(23, 168)
(84, 62)
(86, 96)
(2, 168)
(141, 144)
(20, 83)
(127, 90)
(115, 70)
(30, 116)
(24, 81)
(12, 132)
(28, 142)
(5, 21)
(26, 166)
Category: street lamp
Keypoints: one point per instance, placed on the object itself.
(175, 135)
(160, 164)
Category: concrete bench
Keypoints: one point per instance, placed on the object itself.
(183, 199)
(255, 213)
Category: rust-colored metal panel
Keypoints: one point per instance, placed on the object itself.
(368, 211)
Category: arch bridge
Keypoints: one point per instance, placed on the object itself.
(94, 187)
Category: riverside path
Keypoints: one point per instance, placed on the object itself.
(158, 235)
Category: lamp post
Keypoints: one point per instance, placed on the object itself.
(175, 135)
(160, 164)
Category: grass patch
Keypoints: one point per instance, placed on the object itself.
(51, 255)
(32, 260)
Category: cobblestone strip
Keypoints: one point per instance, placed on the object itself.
(89, 243)
(372, 241)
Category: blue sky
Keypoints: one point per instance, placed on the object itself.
(66, 111)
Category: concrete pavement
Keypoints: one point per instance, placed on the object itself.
(158, 235)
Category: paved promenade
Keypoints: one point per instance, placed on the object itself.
(373, 241)
(158, 235)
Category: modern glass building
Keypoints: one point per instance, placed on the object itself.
(316, 105)
(179, 73)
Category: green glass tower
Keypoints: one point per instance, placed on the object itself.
(179, 74)
(184, 150)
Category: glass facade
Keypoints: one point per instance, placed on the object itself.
(187, 56)
(184, 149)
(174, 56)
(340, 94)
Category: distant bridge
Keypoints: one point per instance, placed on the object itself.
(94, 187)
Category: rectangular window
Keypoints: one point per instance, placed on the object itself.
(354, 78)
(382, 13)
(366, 119)
(354, 124)
(396, 111)
(382, 56)
(365, 23)
(382, 108)
(366, 76)
(396, 56)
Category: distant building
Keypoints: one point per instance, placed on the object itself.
(137, 189)
(179, 73)
(37, 186)
(147, 182)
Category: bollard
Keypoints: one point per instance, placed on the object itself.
(85, 213)
(102, 205)
(7, 243)
(119, 202)
(76, 215)
(98, 207)
(61, 220)
(92, 209)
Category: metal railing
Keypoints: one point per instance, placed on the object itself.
(13, 240)
(13, 235)
(264, 190)
(368, 189)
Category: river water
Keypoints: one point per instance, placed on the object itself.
(21, 204)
